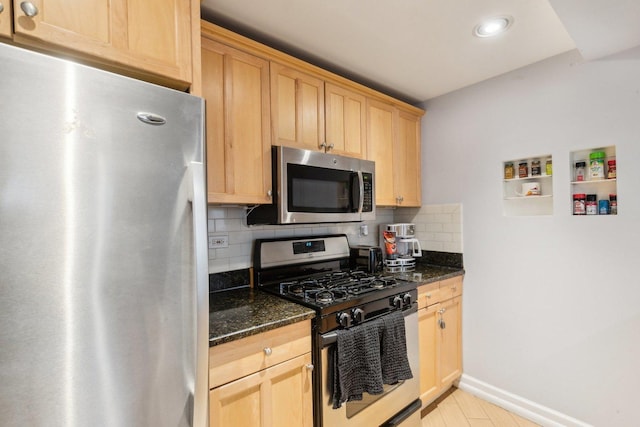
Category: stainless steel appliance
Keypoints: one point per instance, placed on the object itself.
(366, 258)
(103, 262)
(405, 247)
(314, 271)
(313, 187)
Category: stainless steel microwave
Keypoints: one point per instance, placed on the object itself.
(314, 187)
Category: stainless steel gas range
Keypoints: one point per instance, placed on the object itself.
(349, 304)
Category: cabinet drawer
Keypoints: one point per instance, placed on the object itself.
(246, 356)
(450, 288)
(428, 294)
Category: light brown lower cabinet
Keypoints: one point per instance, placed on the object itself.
(440, 336)
(263, 380)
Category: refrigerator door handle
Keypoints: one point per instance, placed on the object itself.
(199, 211)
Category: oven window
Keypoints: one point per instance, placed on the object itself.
(314, 189)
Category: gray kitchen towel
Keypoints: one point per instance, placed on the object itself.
(393, 344)
(356, 363)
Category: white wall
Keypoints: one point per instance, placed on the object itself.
(551, 311)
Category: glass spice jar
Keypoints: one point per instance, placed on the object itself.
(523, 170)
(611, 172)
(579, 207)
(549, 167)
(613, 204)
(509, 171)
(535, 168)
(591, 205)
(580, 169)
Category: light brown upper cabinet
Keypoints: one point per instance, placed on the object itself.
(297, 108)
(345, 121)
(306, 107)
(407, 177)
(5, 18)
(235, 86)
(149, 39)
(315, 114)
(393, 142)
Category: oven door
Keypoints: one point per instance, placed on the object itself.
(375, 410)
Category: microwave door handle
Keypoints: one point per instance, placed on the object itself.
(358, 198)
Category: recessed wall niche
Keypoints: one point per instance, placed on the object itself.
(528, 186)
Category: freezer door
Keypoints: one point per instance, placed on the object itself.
(98, 296)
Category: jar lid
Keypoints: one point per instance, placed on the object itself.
(613, 197)
(523, 164)
(592, 197)
(611, 162)
(579, 196)
(581, 164)
(597, 155)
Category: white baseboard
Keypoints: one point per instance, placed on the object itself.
(539, 414)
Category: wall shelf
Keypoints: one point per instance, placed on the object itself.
(602, 187)
(517, 204)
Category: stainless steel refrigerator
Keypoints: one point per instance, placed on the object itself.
(103, 255)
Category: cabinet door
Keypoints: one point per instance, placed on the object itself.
(429, 342)
(235, 86)
(345, 117)
(151, 35)
(279, 396)
(297, 108)
(380, 145)
(407, 160)
(5, 18)
(450, 341)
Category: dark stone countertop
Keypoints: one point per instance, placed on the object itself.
(239, 313)
(425, 273)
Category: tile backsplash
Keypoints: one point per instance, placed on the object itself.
(438, 228)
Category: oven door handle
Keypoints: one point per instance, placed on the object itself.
(331, 337)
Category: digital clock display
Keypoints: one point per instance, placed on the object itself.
(308, 246)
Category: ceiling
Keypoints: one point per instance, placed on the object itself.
(419, 49)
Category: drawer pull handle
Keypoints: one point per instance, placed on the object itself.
(267, 351)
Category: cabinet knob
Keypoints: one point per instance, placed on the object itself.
(1, 7)
(29, 8)
(428, 296)
(267, 351)
(323, 145)
(309, 366)
(269, 193)
(330, 147)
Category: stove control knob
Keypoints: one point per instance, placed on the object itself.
(397, 302)
(344, 319)
(358, 315)
(406, 299)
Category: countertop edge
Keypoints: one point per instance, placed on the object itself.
(264, 327)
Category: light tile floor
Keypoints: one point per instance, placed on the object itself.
(461, 409)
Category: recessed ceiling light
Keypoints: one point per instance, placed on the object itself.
(493, 26)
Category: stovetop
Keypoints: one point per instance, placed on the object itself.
(314, 271)
(329, 288)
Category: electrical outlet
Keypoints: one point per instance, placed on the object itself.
(217, 241)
